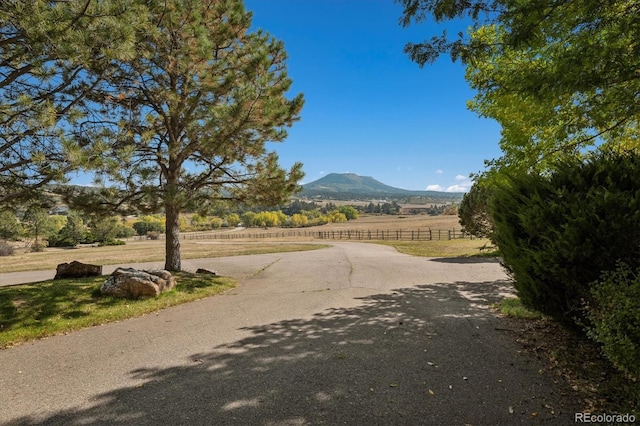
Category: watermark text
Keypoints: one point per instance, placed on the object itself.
(604, 418)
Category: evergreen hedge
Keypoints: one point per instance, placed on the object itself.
(557, 232)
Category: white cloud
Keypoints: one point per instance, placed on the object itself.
(464, 187)
(434, 188)
(439, 171)
(322, 172)
(460, 177)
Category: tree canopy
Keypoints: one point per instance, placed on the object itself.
(560, 77)
(45, 49)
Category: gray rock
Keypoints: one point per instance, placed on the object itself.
(133, 283)
(77, 269)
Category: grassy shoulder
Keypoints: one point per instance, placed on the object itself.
(574, 357)
(143, 251)
(47, 308)
(443, 248)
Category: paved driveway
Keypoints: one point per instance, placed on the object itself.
(354, 334)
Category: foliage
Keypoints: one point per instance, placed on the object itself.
(72, 233)
(615, 317)
(558, 231)
(6, 249)
(10, 228)
(299, 220)
(39, 225)
(349, 212)
(383, 208)
(203, 91)
(298, 206)
(474, 212)
(45, 48)
(233, 219)
(336, 217)
(58, 222)
(560, 77)
(124, 231)
(270, 219)
(215, 222)
(105, 230)
(249, 219)
(144, 227)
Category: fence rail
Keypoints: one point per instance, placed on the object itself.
(358, 235)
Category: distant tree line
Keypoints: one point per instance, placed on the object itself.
(43, 227)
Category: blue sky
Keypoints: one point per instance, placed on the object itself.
(368, 109)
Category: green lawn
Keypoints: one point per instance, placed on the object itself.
(47, 308)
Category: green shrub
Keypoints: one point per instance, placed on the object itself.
(614, 314)
(474, 212)
(558, 232)
(144, 227)
(123, 231)
(112, 243)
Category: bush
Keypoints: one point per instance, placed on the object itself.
(614, 314)
(112, 243)
(153, 235)
(349, 212)
(558, 232)
(6, 249)
(123, 231)
(474, 212)
(144, 227)
(38, 247)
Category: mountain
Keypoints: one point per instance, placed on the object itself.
(353, 186)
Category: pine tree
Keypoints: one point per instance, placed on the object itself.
(190, 114)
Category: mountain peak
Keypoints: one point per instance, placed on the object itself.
(356, 186)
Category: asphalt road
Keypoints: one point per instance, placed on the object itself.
(354, 334)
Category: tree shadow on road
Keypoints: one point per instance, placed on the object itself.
(467, 259)
(430, 354)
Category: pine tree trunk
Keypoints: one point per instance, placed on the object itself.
(172, 241)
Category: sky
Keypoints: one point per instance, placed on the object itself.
(368, 109)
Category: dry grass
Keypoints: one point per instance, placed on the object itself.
(153, 251)
(141, 251)
(444, 248)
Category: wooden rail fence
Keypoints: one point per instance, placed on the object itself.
(358, 235)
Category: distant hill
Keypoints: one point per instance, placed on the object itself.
(343, 186)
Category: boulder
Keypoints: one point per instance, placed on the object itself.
(133, 283)
(77, 269)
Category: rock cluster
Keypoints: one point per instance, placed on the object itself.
(133, 283)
